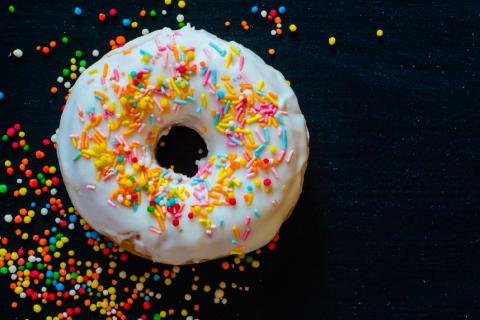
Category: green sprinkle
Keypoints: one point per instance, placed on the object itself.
(153, 13)
(78, 53)
(82, 63)
(3, 188)
(65, 40)
(11, 9)
(26, 147)
(4, 137)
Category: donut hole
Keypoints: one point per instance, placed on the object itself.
(181, 148)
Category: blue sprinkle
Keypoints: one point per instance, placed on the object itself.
(220, 94)
(254, 9)
(234, 241)
(60, 286)
(179, 101)
(145, 53)
(227, 106)
(213, 76)
(77, 11)
(222, 155)
(259, 149)
(238, 142)
(52, 240)
(249, 188)
(156, 277)
(217, 117)
(284, 139)
(256, 213)
(126, 22)
(120, 159)
(198, 110)
(2, 95)
(217, 48)
(49, 274)
(266, 134)
(33, 204)
(191, 98)
(282, 10)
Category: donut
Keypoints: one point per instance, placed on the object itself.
(245, 111)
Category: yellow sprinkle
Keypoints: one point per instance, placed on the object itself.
(204, 100)
(228, 61)
(254, 119)
(271, 99)
(332, 41)
(379, 33)
(235, 50)
(93, 71)
(260, 85)
(172, 83)
(236, 232)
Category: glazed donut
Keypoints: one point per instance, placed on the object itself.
(245, 111)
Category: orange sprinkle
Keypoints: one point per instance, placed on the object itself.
(53, 90)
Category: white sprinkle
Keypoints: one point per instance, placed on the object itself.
(53, 191)
(95, 53)
(53, 138)
(8, 218)
(122, 275)
(279, 25)
(44, 211)
(60, 79)
(145, 31)
(19, 181)
(81, 69)
(164, 12)
(180, 18)
(273, 32)
(263, 13)
(18, 53)
(67, 85)
(90, 187)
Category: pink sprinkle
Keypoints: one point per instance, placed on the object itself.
(116, 75)
(102, 80)
(206, 77)
(289, 157)
(230, 143)
(250, 163)
(260, 135)
(197, 196)
(247, 220)
(275, 172)
(246, 233)
(165, 61)
(274, 203)
(90, 187)
(207, 53)
(111, 203)
(154, 230)
(242, 62)
(282, 154)
(251, 175)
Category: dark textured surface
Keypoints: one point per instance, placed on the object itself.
(388, 223)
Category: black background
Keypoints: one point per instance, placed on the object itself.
(388, 223)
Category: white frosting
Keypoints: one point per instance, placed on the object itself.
(190, 241)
